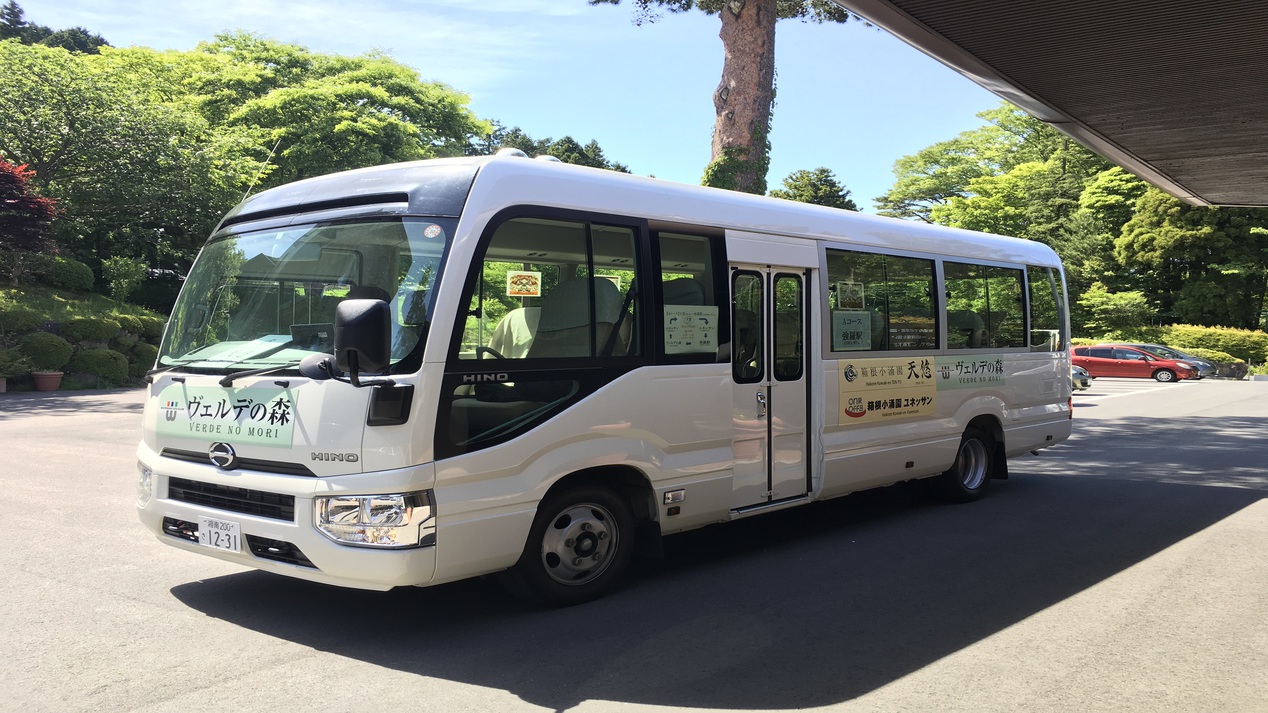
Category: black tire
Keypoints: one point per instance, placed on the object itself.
(578, 548)
(1164, 375)
(969, 476)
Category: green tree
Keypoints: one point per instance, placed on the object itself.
(13, 22)
(566, 149)
(745, 96)
(1114, 314)
(132, 165)
(938, 175)
(76, 39)
(1208, 266)
(327, 113)
(819, 186)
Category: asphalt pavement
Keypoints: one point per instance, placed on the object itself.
(1123, 570)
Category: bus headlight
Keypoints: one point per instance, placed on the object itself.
(144, 485)
(390, 521)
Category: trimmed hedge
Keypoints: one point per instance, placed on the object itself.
(152, 327)
(69, 274)
(90, 329)
(108, 364)
(1242, 343)
(141, 359)
(19, 319)
(47, 352)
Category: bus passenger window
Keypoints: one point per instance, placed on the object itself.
(985, 306)
(692, 323)
(552, 289)
(1046, 330)
(880, 302)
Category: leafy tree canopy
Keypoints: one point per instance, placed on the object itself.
(566, 149)
(819, 186)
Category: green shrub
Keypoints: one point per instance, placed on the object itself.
(108, 364)
(123, 342)
(1212, 355)
(47, 352)
(123, 275)
(13, 364)
(128, 322)
(1244, 344)
(152, 327)
(69, 274)
(90, 329)
(141, 359)
(15, 320)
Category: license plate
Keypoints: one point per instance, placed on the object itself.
(221, 534)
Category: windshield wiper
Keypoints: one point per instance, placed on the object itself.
(229, 378)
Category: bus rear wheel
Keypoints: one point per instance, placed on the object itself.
(579, 546)
(968, 477)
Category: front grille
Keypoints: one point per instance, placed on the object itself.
(278, 551)
(223, 497)
(264, 466)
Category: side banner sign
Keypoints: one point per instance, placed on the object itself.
(970, 372)
(884, 389)
(264, 417)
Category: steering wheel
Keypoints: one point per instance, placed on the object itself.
(487, 350)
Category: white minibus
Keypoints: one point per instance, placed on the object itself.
(423, 372)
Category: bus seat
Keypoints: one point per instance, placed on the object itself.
(514, 332)
(563, 330)
(683, 291)
(965, 328)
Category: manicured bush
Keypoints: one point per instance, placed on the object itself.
(1242, 343)
(128, 322)
(47, 352)
(141, 359)
(152, 327)
(90, 329)
(13, 364)
(69, 274)
(108, 364)
(16, 320)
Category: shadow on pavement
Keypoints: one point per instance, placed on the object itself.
(803, 608)
(71, 403)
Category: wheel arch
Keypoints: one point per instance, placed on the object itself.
(991, 426)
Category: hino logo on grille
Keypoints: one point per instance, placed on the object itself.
(343, 457)
(480, 378)
(223, 456)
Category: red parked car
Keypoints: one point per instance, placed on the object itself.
(1111, 360)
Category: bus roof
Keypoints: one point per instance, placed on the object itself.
(441, 187)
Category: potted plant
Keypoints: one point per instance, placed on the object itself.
(12, 364)
(48, 353)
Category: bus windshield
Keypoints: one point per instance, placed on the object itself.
(267, 298)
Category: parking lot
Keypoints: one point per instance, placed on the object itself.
(1126, 569)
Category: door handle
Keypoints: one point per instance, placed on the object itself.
(761, 404)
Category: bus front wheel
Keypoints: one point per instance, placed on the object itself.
(577, 549)
(967, 478)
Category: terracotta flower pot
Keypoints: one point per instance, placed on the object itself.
(47, 380)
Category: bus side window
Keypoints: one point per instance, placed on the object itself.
(692, 323)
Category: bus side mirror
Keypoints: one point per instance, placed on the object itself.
(363, 336)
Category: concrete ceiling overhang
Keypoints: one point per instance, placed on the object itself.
(1175, 92)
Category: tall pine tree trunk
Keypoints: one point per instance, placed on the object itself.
(744, 97)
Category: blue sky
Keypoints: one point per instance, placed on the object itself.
(850, 98)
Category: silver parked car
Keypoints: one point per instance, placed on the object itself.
(1080, 380)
